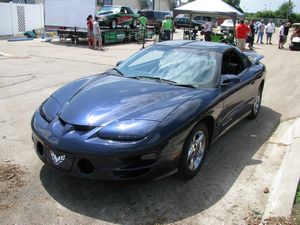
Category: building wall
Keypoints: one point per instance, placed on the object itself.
(20, 18)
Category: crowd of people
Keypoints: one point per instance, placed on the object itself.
(245, 33)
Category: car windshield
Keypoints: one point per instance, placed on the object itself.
(179, 65)
(228, 22)
(107, 8)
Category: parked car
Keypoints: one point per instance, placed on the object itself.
(154, 17)
(295, 37)
(114, 15)
(185, 23)
(227, 26)
(155, 113)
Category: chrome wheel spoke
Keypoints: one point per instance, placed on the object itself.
(196, 150)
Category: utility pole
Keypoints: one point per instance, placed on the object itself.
(288, 10)
(153, 4)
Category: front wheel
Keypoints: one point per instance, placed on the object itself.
(134, 23)
(193, 152)
(256, 105)
(113, 24)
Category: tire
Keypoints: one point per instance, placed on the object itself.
(113, 24)
(134, 23)
(256, 105)
(193, 152)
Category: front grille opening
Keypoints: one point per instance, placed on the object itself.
(79, 128)
(131, 174)
(85, 166)
(40, 149)
(83, 128)
(137, 162)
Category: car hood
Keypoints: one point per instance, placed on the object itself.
(113, 98)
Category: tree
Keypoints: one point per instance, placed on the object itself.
(233, 3)
(285, 9)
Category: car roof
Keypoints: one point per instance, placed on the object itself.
(203, 45)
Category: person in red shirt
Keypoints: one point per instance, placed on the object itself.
(90, 33)
(241, 33)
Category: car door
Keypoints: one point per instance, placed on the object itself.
(236, 95)
(126, 16)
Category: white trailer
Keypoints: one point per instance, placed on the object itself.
(68, 13)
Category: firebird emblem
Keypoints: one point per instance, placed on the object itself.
(57, 159)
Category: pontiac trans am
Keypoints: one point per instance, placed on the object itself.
(154, 114)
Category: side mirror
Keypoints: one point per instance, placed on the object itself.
(228, 79)
(118, 63)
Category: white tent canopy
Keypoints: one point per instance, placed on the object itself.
(216, 8)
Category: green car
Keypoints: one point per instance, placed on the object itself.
(114, 15)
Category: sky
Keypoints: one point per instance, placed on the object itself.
(260, 5)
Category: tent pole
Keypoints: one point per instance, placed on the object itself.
(190, 26)
(234, 24)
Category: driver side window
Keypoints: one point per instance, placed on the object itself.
(232, 63)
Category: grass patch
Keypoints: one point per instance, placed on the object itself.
(297, 200)
(296, 209)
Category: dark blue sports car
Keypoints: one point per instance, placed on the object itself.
(154, 114)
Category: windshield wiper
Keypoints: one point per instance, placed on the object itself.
(164, 80)
(147, 77)
(185, 85)
(119, 72)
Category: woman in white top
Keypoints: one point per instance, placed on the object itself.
(270, 30)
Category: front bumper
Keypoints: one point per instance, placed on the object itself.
(74, 155)
(295, 46)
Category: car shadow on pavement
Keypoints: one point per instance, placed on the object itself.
(170, 199)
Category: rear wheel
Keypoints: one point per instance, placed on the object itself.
(256, 105)
(193, 152)
(113, 24)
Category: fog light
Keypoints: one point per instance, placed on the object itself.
(85, 166)
(151, 156)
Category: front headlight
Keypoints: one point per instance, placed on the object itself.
(49, 109)
(127, 130)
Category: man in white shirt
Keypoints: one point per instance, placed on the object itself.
(270, 30)
(260, 32)
(207, 30)
(281, 36)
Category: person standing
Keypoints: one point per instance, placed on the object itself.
(241, 33)
(143, 25)
(97, 34)
(286, 31)
(207, 30)
(260, 32)
(166, 28)
(90, 33)
(251, 34)
(281, 35)
(270, 30)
